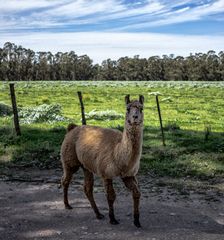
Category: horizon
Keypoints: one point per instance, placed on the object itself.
(114, 28)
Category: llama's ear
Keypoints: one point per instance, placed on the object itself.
(127, 99)
(141, 99)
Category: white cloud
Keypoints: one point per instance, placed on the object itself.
(79, 8)
(100, 46)
(21, 5)
(184, 14)
(44, 14)
(131, 16)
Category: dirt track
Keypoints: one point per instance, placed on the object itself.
(35, 211)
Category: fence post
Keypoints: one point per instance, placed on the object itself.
(15, 111)
(82, 108)
(207, 132)
(160, 120)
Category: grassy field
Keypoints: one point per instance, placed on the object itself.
(193, 119)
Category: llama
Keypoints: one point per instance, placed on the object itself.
(108, 153)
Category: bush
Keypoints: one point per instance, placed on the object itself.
(103, 115)
(5, 110)
(42, 113)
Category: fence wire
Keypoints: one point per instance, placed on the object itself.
(168, 104)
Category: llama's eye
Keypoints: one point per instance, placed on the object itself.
(141, 109)
(128, 110)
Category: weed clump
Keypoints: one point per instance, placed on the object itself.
(5, 110)
(103, 115)
(42, 113)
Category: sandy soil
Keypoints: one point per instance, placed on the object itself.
(34, 210)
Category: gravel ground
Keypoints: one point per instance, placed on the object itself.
(34, 210)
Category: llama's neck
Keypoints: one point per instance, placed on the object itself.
(130, 147)
(133, 136)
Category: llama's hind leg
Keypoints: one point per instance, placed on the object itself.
(131, 184)
(65, 181)
(111, 196)
(88, 189)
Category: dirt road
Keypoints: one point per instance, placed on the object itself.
(34, 210)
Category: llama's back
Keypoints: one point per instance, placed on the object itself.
(94, 148)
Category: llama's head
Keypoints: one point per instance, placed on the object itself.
(134, 113)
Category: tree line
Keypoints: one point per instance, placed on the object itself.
(21, 64)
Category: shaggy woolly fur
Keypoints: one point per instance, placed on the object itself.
(108, 153)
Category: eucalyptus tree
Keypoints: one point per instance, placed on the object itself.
(221, 66)
(108, 70)
(18, 63)
(84, 68)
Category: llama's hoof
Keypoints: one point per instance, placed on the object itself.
(68, 207)
(114, 222)
(100, 216)
(137, 223)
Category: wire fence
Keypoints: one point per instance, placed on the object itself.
(197, 112)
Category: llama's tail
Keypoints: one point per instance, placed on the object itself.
(71, 126)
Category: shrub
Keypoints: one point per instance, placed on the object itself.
(103, 115)
(42, 113)
(5, 110)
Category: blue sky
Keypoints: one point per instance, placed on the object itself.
(114, 28)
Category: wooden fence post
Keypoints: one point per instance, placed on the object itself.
(82, 108)
(160, 120)
(207, 132)
(15, 111)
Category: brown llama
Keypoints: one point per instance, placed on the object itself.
(108, 153)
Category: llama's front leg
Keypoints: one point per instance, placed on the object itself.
(88, 189)
(111, 196)
(131, 184)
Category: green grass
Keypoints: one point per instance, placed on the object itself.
(187, 110)
(186, 154)
(35, 148)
